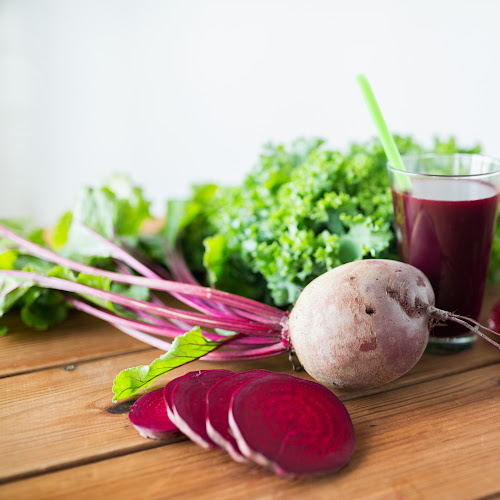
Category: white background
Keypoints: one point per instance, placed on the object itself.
(184, 91)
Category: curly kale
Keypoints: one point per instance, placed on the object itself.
(301, 211)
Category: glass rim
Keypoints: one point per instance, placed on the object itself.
(430, 156)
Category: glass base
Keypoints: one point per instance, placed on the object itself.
(450, 345)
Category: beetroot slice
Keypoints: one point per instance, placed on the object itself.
(295, 426)
(169, 389)
(187, 401)
(149, 416)
(218, 402)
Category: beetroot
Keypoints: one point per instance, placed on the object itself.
(362, 324)
(149, 416)
(218, 402)
(366, 323)
(186, 403)
(294, 426)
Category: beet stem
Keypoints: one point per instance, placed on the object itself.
(165, 330)
(252, 321)
(136, 265)
(228, 323)
(441, 315)
(146, 338)
(248, 305)
(246, 355)
(181, 272)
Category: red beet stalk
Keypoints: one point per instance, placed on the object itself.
(260, 329)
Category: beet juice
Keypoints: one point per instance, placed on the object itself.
(445, 228)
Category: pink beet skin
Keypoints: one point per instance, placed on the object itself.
(218, 402)
(294, 426)
(186, 403)
(149, 416)
(362, 324)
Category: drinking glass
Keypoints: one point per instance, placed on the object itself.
(445, 211)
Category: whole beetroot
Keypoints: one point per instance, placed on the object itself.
(362, 324)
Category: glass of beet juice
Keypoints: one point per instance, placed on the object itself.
(445, 211)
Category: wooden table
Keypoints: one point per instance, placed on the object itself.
(434, 433)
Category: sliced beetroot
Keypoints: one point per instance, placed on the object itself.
(186, 401)
(295, 426)
(218, 402)
(149, 416)
(169, 389)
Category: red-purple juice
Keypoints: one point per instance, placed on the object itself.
(445, 228)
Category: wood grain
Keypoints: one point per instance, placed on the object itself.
(79, 338)
(57, 417)
(437, 439)
(57, 414)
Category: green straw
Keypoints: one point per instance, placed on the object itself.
(390, 148)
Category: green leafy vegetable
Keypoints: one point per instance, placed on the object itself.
(24, 228)
(101, 283)
(39, 308)
(185, 348)
(116, 209)
(43, 308)
(11, 291)
(8, 259)
(300, 212)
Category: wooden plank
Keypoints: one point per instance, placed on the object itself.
(79, 338)
(437, 439)
(57, 418)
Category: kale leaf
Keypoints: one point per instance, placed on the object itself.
(301, 211)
